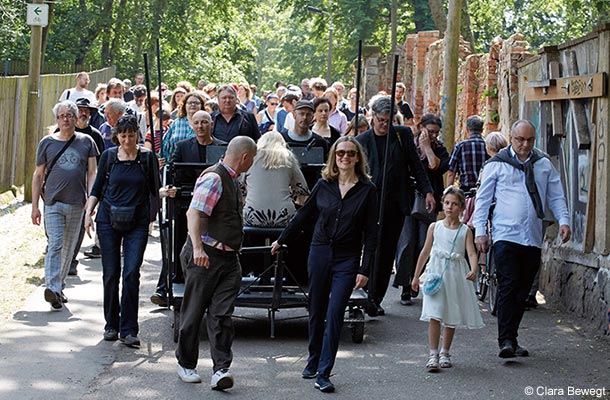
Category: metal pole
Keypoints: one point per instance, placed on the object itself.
(329, 66)
(358, 74)
(32, 124)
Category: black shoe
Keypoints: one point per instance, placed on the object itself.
(94, 252)
(63, 297)
(380, 310)
(405, 299)
(53, 298)
(324, 384)
(521, 352)
(531, 302)
(507, 350)
(371, 309)
(131, 341)
(309, 373)
(111, 335)
(159, 299)
(414, 293)
(73, 270)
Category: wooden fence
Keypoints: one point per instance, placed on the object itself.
(13, 114)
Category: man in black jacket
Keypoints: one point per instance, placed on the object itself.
(402, 164)
(229, 120)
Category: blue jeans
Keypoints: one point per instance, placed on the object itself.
(330, 286)
(62, 223)
(122, 316)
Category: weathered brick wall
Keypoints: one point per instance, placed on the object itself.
(487, 83)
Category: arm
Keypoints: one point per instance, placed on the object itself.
(298, 185)
(425, 146)
(89, 213)
(370, 239)
(417, 169)
(36, 192)
(259, 117)
(197, 223)
(452, 166)
(443, 156)
(557, 203)
(485, 195)
(423, 257)
(450, 178)
(91, 173)
(472, 256)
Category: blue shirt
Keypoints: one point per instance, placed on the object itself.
(514, 218)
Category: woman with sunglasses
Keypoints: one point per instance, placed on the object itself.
(435, 159)
(127, 179)
(343, 205)
(266, 118)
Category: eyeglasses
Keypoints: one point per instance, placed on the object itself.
(273, 104)
(65, 116)
(193, 102)
(352, 97)
(433, 131)
(382, 121)
(522, 140)
(343, 153)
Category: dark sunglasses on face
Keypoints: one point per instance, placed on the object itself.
(349, 153)
(273, 104)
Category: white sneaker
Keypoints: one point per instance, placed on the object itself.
(222, 379)
(188, 375)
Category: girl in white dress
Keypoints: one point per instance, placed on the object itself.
(455, 304)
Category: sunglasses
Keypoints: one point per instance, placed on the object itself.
(349, 153)
(273, 104)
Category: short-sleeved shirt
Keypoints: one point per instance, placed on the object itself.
(67, 180)
(467, 159)
(405, 110)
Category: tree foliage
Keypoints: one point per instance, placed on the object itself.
(265, 41)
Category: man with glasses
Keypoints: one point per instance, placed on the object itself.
(402, 163)
(229, 120)
(64, 175)
(522, 181)
(468, 156)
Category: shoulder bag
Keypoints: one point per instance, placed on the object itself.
(433, 281)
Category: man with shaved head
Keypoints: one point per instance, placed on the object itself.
(211, 264)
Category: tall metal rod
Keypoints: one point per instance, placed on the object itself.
(160, 95)
(358, 82)
(390, 136)
(149, 99)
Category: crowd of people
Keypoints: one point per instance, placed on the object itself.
(102, 161)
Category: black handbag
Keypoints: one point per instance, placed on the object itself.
(419, 210)
(123, 218)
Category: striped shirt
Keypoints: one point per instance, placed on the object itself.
(467, 159)
(206, 195)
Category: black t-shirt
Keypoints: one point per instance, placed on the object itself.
(96, 136)
(405, 110)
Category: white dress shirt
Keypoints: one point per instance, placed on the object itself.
(514, 218)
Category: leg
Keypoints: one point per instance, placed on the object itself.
(54, 222)
(434, 334)
(199, 284)
(110, 246)
(72, 227)
(392, 227)
(134, 244)
(319, 292)
(448, 334)
(404, 252)
(342, 282)
(222, 305)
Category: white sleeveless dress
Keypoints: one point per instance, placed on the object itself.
(455, 304)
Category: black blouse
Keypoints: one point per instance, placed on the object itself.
(346, 224)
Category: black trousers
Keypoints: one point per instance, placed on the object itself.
(516, 267)
(213, 289)
(392, 226)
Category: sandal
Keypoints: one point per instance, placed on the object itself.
(445, 360)
(432, 364)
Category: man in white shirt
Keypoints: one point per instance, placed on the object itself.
(80, 90)
(522, 181)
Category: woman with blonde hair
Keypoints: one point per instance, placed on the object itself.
(343, 205)
(273, 184)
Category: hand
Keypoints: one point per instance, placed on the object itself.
(161, 162)
(200, 258)
(415, 284)
(430, 202)
(424, 138)
(36, 217)
(361, 281)
(275, 247)
(89, 222)
(482, 243)
(471, 276)
(565, 233)
(168, 191)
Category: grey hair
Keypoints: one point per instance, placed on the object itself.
(516, 124)
(227, 88)
(381, 105)
(116, 105)
(496, 141)
(65, 104)
(474, 123)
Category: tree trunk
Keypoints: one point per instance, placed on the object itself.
(450, 73)
(45, 34)
(422, 17)
(118, 31)
(105, 51)
(438, 15)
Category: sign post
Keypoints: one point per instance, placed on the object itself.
(37, 17)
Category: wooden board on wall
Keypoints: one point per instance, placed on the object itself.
(576, 87)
